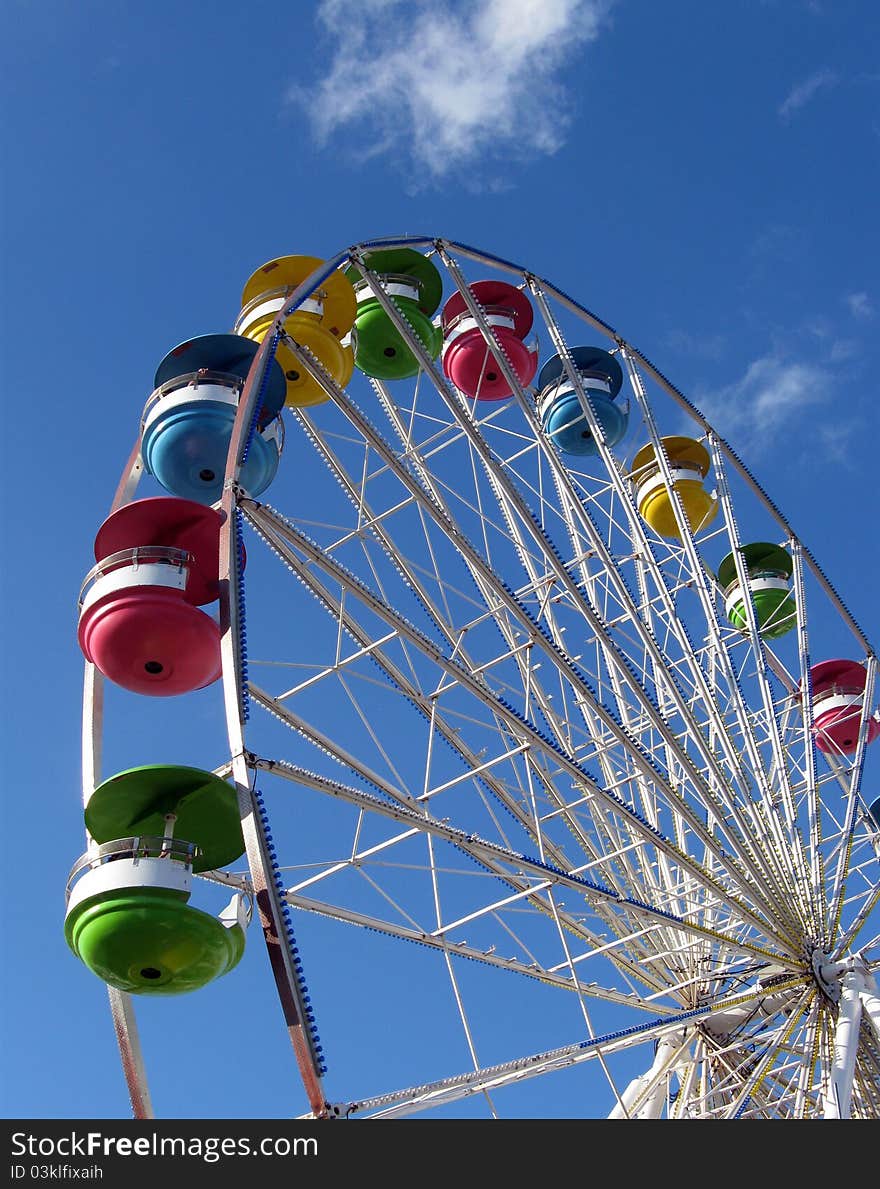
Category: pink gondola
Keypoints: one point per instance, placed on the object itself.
(140, 618)
(467, 360)
(838, 695)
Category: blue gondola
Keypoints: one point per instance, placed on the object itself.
(559, 407)
(188, 419)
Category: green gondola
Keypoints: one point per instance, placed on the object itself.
(769, 570)
(415, 287)
(128, 915)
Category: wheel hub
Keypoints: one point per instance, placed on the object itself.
(826, 974)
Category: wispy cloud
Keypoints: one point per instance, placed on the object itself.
(860, 305)
(835, 441)
(442, 84)
(697, 346)
(801, 94)
(837, 347)
(777, 244)
(772, 399)
(843, 350)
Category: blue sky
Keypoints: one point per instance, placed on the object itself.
(703, 177)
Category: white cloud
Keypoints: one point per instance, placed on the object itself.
(860, 305)
(768, 404)
(835, 441)
(843, 350)
(697, 346)
(801, 94)
(777, 244)
(445, 83)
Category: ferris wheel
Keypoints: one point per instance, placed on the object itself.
(545, 732)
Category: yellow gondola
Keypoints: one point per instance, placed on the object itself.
(319, 324)
(689, 465)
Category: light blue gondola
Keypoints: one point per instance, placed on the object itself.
(188, 419)
(559, 407)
